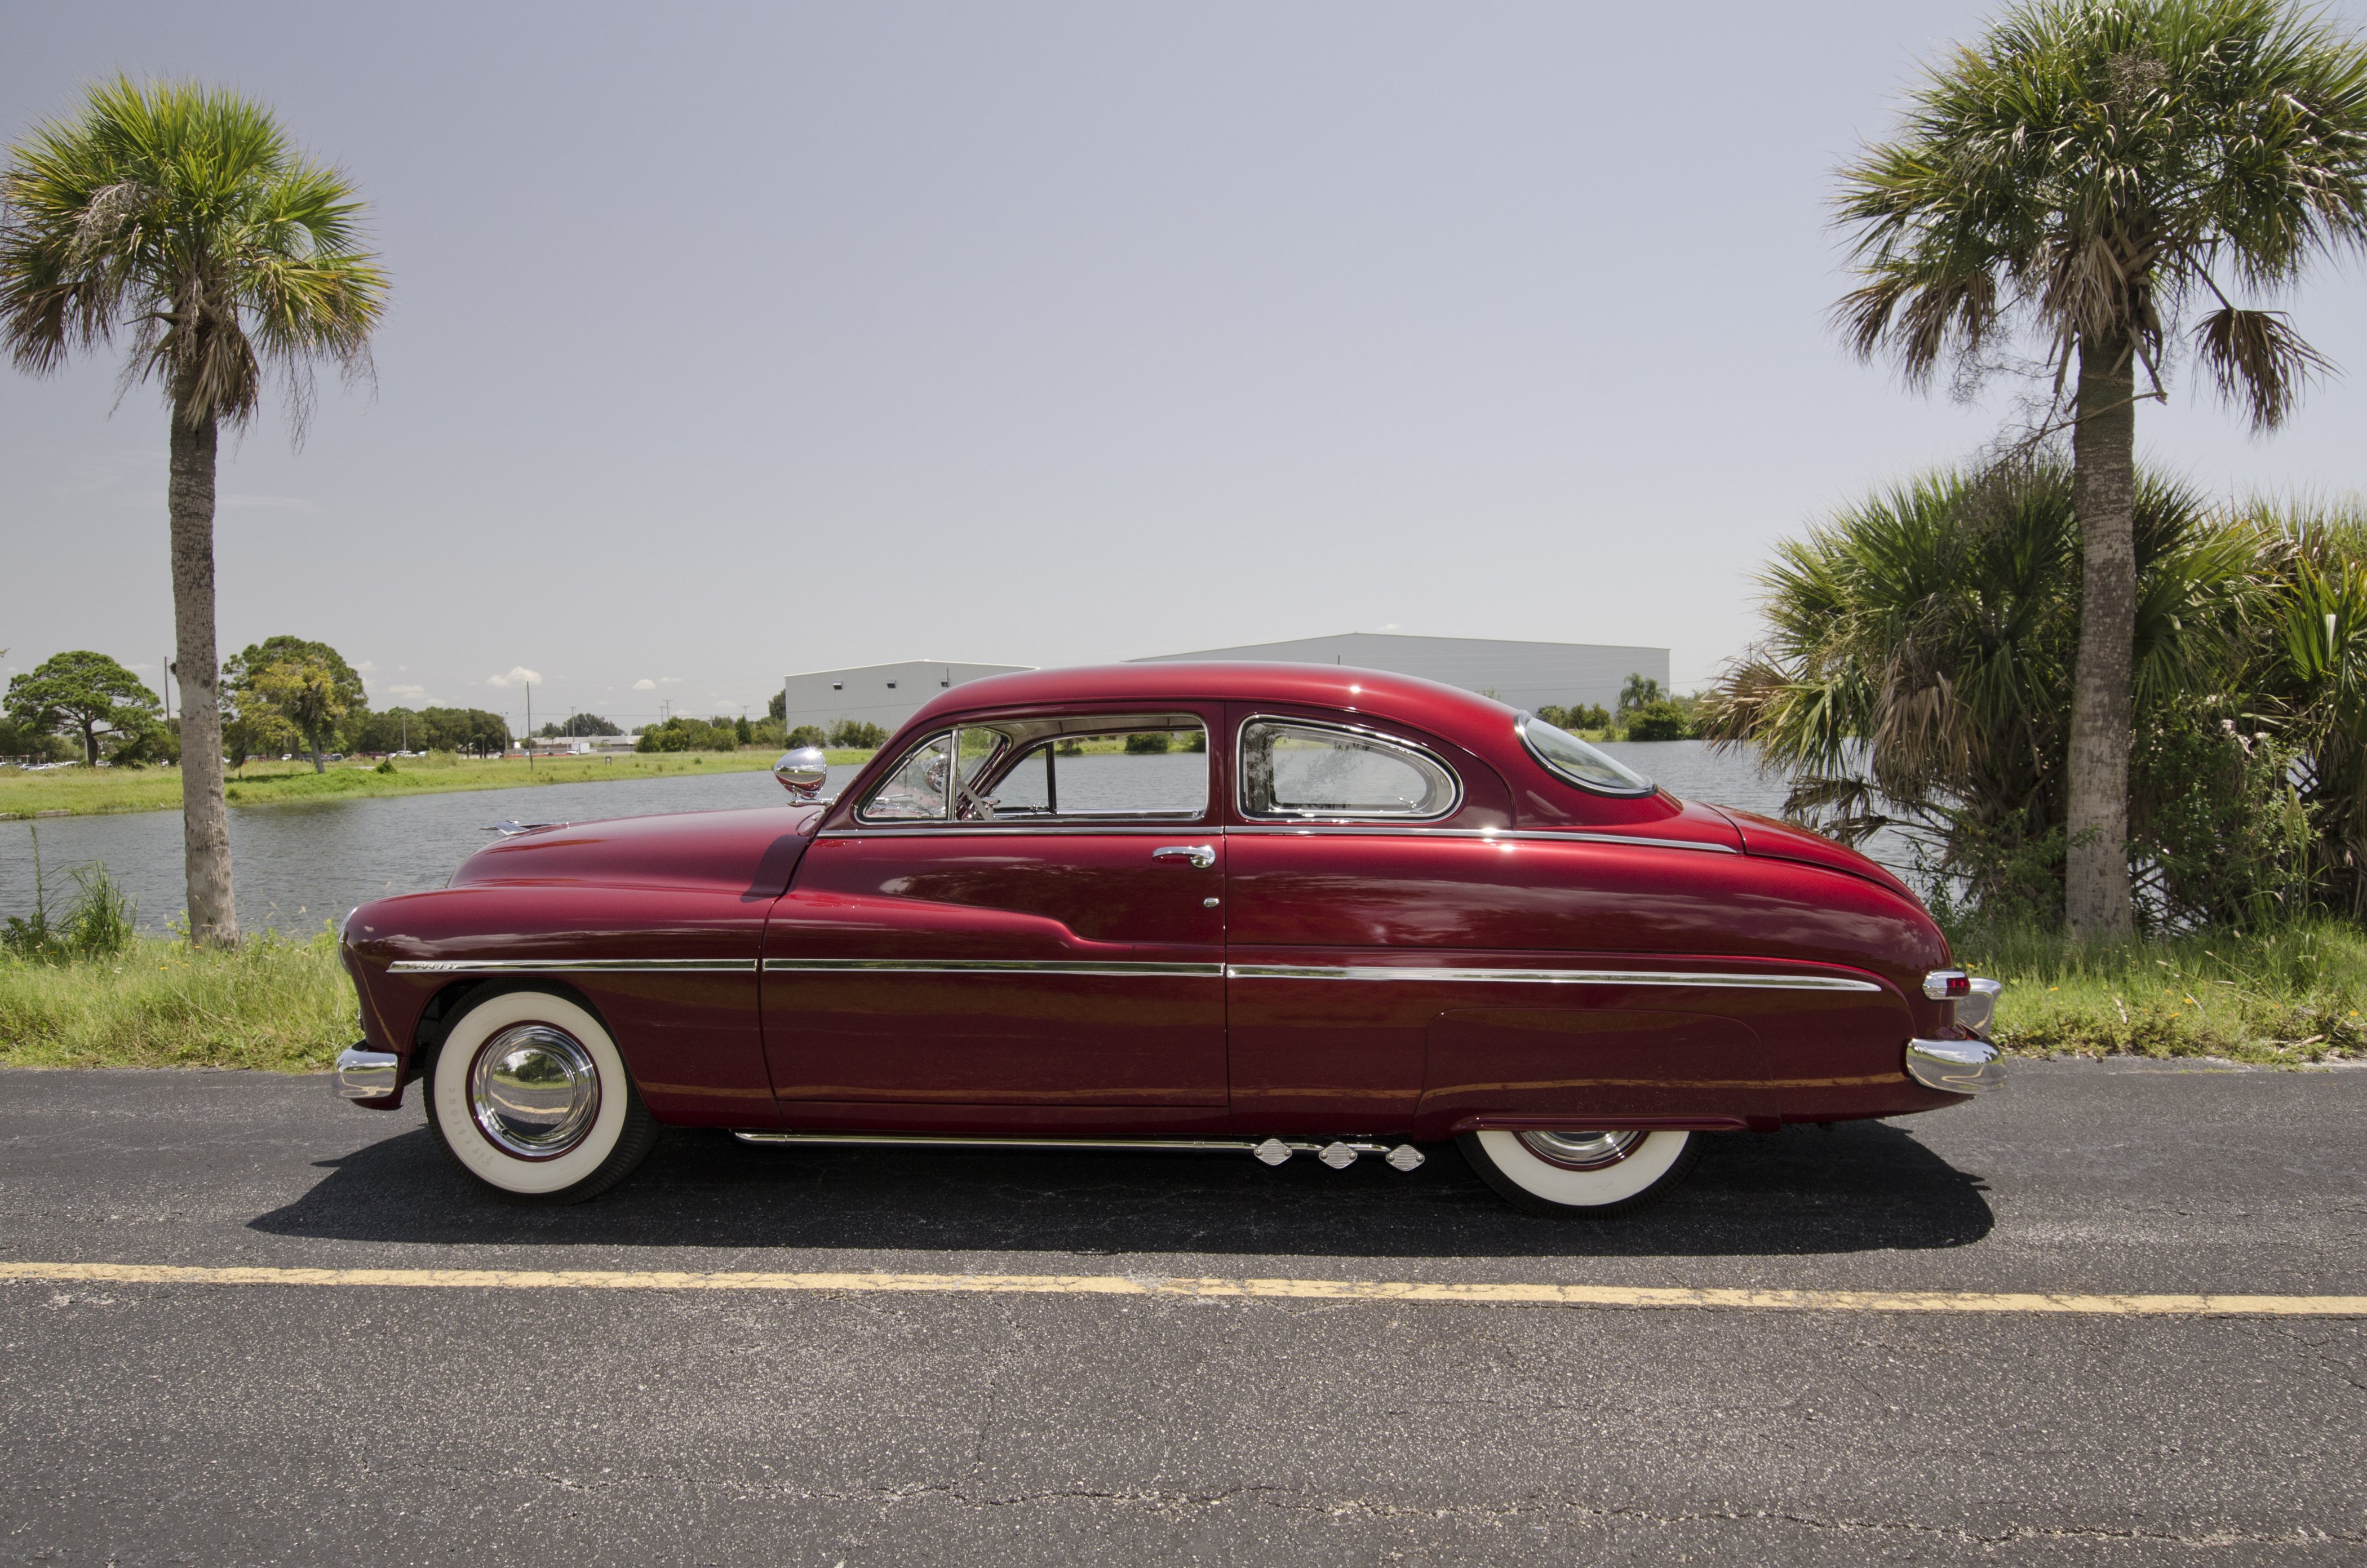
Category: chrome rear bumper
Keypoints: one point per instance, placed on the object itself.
(368, 1075)
(1955, 1066)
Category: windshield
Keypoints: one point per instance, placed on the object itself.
(1568, 757)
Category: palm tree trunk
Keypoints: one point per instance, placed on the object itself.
(205, 816)
(2104, 496)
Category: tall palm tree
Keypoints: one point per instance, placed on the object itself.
(2081, 178)
(1920, 647)
(184, 217)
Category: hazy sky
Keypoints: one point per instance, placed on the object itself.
(730, 341)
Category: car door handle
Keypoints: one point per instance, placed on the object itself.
(1202, 855)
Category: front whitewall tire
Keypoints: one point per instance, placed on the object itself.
(618, 1136)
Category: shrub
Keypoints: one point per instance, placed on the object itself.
(97, 924)
(1152, 743)
(1660, 720)
(804, 735)
(853, 734)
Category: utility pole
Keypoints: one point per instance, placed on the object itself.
(529, 726)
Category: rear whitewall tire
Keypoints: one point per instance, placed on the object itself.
(620, 1129)
(1526, 1179)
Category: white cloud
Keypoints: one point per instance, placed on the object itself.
(519, 676)
(366, 667)
(411, 695)
(1392, 626)
(645, 686)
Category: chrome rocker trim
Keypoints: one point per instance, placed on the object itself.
(1337, 1152)
(1955, 1066)
(368, 1075)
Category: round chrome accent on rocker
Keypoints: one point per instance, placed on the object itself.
(534, 1092)
(1582, 1151)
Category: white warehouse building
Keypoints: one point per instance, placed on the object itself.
(1525, 675)
(885, 695)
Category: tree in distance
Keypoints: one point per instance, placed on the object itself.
(1638, 690)
(855, 734)
(288, 691)
(2087, 173)
(184, 216)
(580, 725)
(84, 692)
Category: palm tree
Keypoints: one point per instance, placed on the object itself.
(184, 216)
(1920, 649)
(2088, 173)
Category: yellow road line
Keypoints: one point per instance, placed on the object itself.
(1503, 1294)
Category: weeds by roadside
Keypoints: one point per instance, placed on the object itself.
(2288, 995)
(277, 1003)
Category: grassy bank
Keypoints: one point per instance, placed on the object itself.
(2288, 996)
(81, 792)
(282, 1006)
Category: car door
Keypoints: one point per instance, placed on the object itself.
(1027, 910)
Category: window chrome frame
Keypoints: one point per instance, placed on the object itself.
(953, 823)
(1380, 738)
(1521, 728)
(951, 736)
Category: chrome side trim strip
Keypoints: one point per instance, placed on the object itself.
(1326, 971)
(571, 966)
(1488, 834)
(1552, 976)
(985, 966)
(1180, 823)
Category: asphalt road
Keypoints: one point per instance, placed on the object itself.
(223, 1424)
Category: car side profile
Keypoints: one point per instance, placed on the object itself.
(1276, 909)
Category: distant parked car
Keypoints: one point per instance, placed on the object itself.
(1339, 913)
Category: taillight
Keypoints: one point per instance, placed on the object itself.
(1947, 985)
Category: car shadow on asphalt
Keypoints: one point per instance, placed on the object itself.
(1861, 1186)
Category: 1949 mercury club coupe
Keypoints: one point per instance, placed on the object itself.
(1272, 908)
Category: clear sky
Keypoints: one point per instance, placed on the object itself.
(729, 341)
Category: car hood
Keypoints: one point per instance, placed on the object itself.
(1776, 840)
(750, 852)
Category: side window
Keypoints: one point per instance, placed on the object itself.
(1082, 773)
(1291, 768)
(1051, 769)
(919, 789)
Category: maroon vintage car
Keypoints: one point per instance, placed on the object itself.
(1270, 908)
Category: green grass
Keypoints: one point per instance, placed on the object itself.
(2287, 996)
(275, 1003)
(81, 792)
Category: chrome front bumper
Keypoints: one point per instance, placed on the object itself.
(368, 1075)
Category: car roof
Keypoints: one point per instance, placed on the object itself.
(1449, 712)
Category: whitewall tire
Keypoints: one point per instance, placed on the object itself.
(1576, 1173)
(529, 1095)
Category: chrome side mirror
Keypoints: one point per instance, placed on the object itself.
(802, 772)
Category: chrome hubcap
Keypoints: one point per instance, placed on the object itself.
(534, 1092)
(1581, 1151)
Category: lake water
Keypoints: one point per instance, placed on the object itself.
(297, 865)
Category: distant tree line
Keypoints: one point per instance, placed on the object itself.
(1645, 713)
(283, 696)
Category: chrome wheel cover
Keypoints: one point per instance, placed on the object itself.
(534, 1092)
(1582, 1151)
